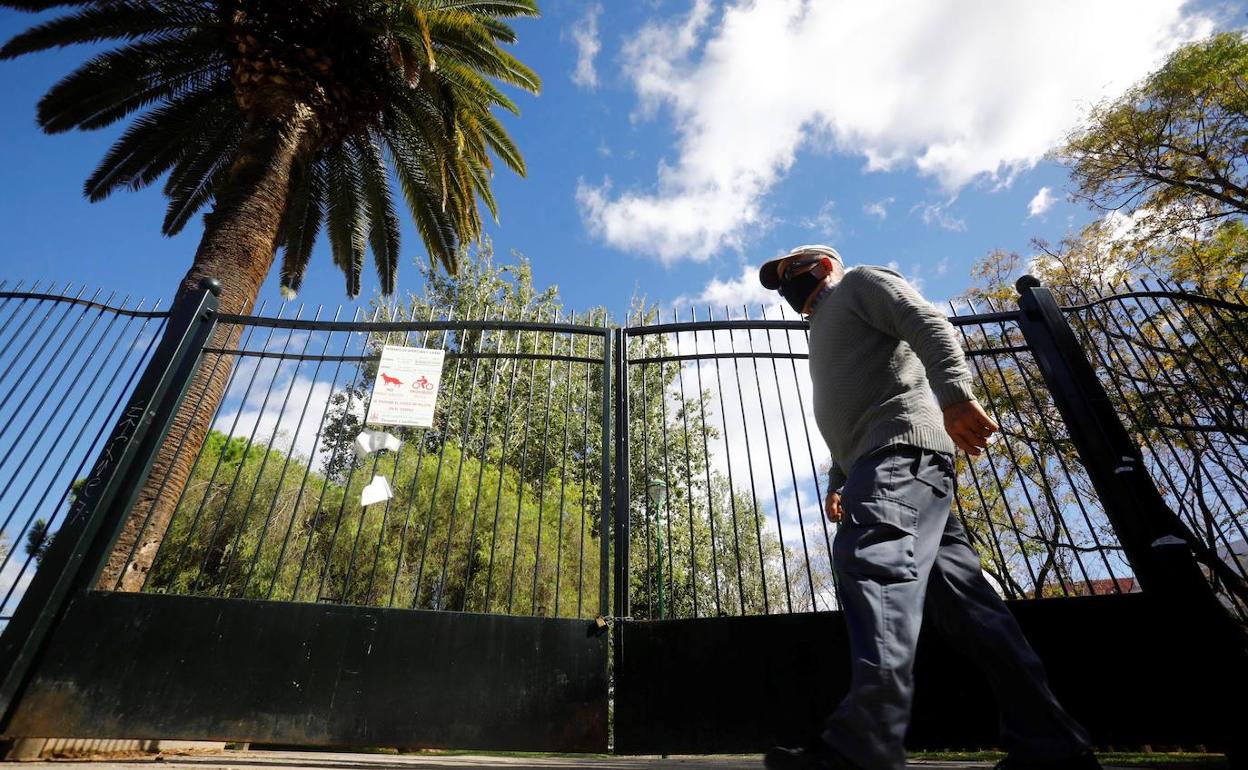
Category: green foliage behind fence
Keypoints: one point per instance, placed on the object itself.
(461, 532)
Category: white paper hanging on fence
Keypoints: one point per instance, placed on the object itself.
(370, 441)
(406, 389)
(377, 491)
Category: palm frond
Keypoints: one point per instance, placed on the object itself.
(471, 84)
(383, 232)
(345, 213)
(402, 87)
(115, 20)
(304, 211)
(185, 205)
(469, 43)
(421, 192)
(422, 23)
(40, 5)
(196, 177)
(156, 141)
(499, 141)
(481, 181)
(121, 81)
(499, 30)
(490, 7)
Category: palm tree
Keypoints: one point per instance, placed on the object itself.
(283, 116)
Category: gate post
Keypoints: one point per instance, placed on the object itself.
(620, 605)
(1159, 547)
(604, 523)
(82, 543)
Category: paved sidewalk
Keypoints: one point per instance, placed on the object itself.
(298, 760)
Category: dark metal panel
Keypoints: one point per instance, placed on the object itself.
(742, 684)
(126, 665)
(80, 548)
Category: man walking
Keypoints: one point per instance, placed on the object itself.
(878, 354)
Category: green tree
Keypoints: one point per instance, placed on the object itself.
(504, 402)
(1169, 159)
(1173, 150)
(423, 548)
(285, 116)
(515, 448)
(38, 539)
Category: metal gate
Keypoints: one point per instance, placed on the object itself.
(732, 639)
(249, 595)
(262, 601)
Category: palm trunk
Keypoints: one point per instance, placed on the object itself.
(237, 249)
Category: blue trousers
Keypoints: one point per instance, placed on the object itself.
(902, 558)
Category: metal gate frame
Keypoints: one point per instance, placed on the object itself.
(97, 664)
(741, 684)
(344, 675)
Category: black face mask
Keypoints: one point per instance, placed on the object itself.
(800, 279)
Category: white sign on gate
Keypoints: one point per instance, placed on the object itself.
(406, 388)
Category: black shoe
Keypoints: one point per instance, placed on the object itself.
(1085, 761)
(814, 756)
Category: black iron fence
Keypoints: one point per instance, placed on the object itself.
(727, 472)
(719, 497)
(1175, 365)
(69, 359)
(1027, 501)
(497, 507)
(1119, 468)
(723, 490)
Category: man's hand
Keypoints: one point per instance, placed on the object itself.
(832, 506)
(969, 426)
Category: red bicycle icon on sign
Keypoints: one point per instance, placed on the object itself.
(422, 384)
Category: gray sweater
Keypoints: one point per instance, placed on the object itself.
(878, 354)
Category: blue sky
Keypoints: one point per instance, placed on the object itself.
(677, 142)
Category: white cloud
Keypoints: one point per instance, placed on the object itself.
(732, 293)
(278, 427)
(585, 35)
(956, 95)
(824, 222)
(656, 57)
(1122, 226)
(280, 402)
(1041, 202)
(15, 578)
(938, 214)
(878, 208)
(914, 277)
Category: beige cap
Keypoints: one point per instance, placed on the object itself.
(768, 276)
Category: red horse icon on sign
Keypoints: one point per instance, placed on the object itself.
(388, 380)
